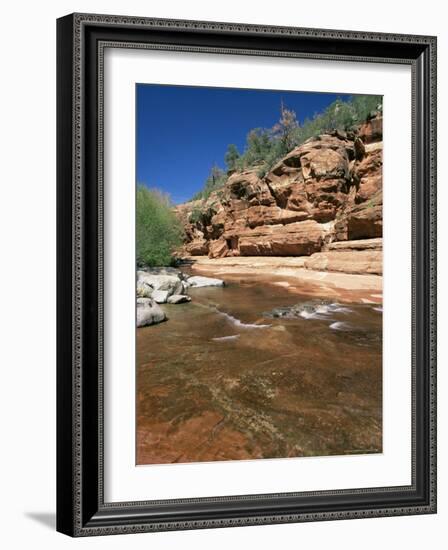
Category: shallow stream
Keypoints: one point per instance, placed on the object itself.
(237, 374)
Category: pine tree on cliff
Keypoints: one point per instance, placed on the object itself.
(231, 157)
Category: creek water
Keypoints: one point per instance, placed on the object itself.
(229, 376)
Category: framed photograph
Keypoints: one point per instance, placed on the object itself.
(246, 274)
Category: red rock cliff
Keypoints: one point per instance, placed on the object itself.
(326, 190)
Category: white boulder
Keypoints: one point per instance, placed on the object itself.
(160, 296)
(197, 281)
(170, 283)
(148, 312)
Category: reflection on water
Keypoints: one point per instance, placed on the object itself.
(252, 370)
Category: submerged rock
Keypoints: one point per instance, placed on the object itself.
(149, 312)
(197, 281)
(304, 310)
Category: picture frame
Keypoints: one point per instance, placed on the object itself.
(81, 506)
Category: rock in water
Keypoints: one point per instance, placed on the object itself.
(198, 281)
(179, 299)
(160, 296)
(149, 312)
(170, 283)
(306, 310)
(144, 290)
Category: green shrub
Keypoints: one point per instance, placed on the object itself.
(214, 181)
(202, 214)
(195, 215)
(158, 231)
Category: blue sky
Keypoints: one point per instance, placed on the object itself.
(183, 130)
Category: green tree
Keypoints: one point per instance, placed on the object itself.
(231, 157)
(158, 231)
(258, 147)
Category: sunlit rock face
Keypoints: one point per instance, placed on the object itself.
(328, 189)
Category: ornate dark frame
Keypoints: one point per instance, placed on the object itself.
(81, 39)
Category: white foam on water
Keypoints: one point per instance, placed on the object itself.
(226, 338)
(312, 315)
(239, 323)
(323, 311)
(342, 309)
(339, 325)
(307, 315)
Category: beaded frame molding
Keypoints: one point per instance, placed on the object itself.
(81, 40)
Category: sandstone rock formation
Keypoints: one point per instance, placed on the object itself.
(363, 244)
(347, 261)
(198, 247)
(356, 257)
(327, 190)
(372, 130)
(295, 239)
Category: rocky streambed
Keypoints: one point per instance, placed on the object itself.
(255, 366)
(165, 285)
